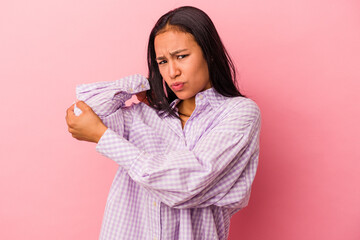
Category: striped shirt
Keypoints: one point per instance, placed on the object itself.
(174, 182)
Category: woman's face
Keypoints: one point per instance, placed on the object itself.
(181, 63)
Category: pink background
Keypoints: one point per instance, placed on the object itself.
(299, 60)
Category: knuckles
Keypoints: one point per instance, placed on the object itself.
(70, 130)
(70, 122)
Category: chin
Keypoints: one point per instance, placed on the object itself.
(183, 96)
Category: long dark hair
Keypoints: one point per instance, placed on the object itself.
(221, 68)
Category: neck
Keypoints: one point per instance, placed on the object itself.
(186, 107)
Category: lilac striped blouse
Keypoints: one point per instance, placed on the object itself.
(174, 183)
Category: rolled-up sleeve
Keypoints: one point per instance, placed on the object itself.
(107, 99)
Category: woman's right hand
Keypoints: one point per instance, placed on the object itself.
(86, 127)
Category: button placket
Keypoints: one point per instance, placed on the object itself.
(155, 219)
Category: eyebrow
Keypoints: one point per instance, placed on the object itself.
(172, 53)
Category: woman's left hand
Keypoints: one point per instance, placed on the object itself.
(86, 127)
(141, 96)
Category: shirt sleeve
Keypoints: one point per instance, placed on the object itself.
(218, 171)
(107, 98)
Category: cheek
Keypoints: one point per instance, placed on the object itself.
(202, 71)
(162, 72)
(200, 65)
(165, 82)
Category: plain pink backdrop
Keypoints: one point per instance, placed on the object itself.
(299, 60)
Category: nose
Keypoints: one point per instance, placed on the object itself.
(174, 70)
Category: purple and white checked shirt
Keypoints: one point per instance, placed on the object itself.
(174, 183)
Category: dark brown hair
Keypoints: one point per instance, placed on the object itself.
(221, 68)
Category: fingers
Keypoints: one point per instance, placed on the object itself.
(141, 96)
(82, 105)
(70, 112)
(70, 116)
(71, 120)
(72, 107)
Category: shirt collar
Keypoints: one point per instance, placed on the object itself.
(210, 95)
(174, 103)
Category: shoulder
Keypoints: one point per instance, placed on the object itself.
(234, 105)
(243, 104)
(241, 107)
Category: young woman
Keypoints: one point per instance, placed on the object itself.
(188, 152)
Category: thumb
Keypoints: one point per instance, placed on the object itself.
(82, 105)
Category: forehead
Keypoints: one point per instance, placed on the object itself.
(173, 40)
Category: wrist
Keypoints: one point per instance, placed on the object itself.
(101, 130)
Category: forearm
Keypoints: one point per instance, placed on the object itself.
(106, 98)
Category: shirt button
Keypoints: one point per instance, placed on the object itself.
(201, 96)
(154, 204)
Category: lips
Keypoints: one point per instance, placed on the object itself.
(177, 86)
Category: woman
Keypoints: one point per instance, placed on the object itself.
(188, 152)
